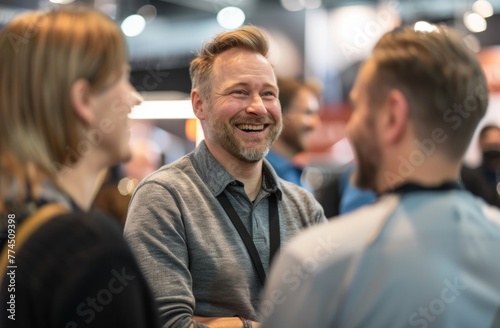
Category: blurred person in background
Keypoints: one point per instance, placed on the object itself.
(426, 252)
(64, 81)
(205, 228)
(299, 105)
(339, 195)
(484, 180)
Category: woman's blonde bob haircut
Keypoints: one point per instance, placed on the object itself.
(42, 55)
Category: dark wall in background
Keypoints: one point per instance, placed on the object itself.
(28, 4)
(152, 79)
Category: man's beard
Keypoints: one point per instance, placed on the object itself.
(223, 135)
(368, 160)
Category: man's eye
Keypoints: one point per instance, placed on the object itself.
(239, 92)
(268, 94)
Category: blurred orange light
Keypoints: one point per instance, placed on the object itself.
(191, 129)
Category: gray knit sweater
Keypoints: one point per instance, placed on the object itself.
(189, 250)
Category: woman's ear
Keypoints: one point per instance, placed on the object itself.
(81, 101)
(198, 104)
(396, 113)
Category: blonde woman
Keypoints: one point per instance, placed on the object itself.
(65, 96)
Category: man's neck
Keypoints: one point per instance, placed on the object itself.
(433, 172)
(250, 174)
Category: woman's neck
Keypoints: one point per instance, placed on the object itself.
(81, 183)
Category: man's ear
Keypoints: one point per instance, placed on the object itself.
(199, 104)
(396, 116)
(80, 94)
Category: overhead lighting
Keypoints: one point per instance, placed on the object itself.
(474, 22)
(109, 9)
(312, 4)
(483, 8)
(62, 2)
(133, 25)
(148, 12)
(231, 17)
(163, 109)
(424, 26)
(292, 5)
(297, 5)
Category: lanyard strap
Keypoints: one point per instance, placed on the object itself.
(274, 232)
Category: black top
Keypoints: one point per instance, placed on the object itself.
(77, 271)
(475, 181)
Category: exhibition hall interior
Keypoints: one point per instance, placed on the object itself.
(323, 41)
(250, 163)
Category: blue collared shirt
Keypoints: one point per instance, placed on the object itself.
(285, 168)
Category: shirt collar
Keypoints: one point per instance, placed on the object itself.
(217, 178)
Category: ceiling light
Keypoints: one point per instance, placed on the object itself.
(424, 26)
(474, 22)
(292, 5)
(62, 2)
(297, 5)
(231, 17)
(109, 9)
(312, 4)
(133, 25)
(483, 8)
(163, 109)
(148, 12)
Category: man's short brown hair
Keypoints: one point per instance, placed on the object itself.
(247, 37)
(441, 79)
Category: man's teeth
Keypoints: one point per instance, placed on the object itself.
(247, 127)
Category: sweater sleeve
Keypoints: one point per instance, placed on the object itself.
(156, 233)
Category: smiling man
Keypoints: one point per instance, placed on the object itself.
(205, 228)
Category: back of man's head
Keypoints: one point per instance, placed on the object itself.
(441, 79)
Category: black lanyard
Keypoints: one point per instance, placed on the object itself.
(274, 232)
